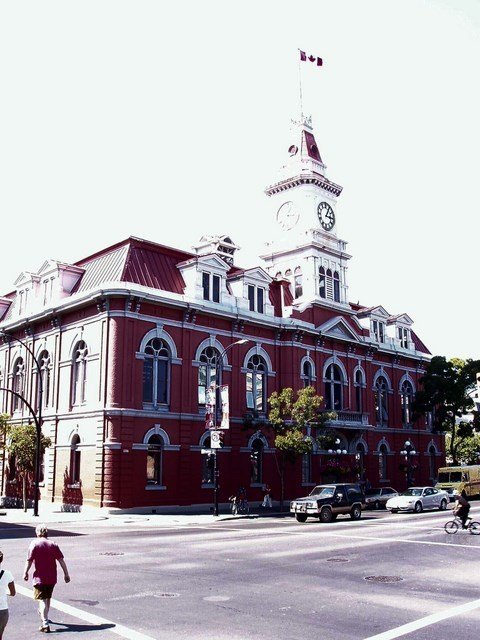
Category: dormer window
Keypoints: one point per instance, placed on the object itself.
(378, 330)
(211, 286)
(256, 298)
(403, 335)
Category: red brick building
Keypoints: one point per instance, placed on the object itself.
(129, 339)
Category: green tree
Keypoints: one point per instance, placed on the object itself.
(467, 449)
(446, 393)
(289, 419)
(22, 443)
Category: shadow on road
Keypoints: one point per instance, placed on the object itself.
(76, 628)
(11, 530)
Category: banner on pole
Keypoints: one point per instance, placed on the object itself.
(225, 423)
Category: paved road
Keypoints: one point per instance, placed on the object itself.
(258, 579)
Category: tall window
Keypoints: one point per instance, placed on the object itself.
(18, 383)
(333, 388)
(358, 383)
(211, 286)
(207, 464)
(360, 460)
(207, 372)
(256, 383)
(79, 373)
(45, 368)
(322, 284)
(336, 286)
(2, 394)
(256, 299)
(406, 398)
(381, 401)
(156, 367)
(378, 330)
(75, 460)
(298, 282)
(307, 468)
(403, 336)
(154, 459)
(307, 373)
(256, 458)
(382, 462)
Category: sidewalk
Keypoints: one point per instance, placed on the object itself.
(51, 513)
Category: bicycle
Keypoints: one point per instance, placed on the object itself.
(452, 526)
(239, 507)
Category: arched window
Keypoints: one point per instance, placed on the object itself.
(207, 464)
(322, 284)
(154, 459)
(45, 368)
(156, 368)
(382, 462)
(333, 388)
(307, 374)
(75, 459)
(406, 398)
(329, 284)
(256, 458)
(18, 383)
(381, 401)
(336, 286)
(298, 282)
(307, 468)
(358, 384)
(432, 462)
(256, 383)
(79, 373)
(207, 372)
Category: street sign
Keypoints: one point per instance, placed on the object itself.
(207, 451)
(216, 439)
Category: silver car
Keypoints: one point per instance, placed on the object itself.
(377, 498)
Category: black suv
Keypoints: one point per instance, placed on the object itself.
(326, 501)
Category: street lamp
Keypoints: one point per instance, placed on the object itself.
(37, 415)
(215, 418)
(408, 451)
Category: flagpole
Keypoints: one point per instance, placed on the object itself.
(300, 86)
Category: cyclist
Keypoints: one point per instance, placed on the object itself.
(462, 507)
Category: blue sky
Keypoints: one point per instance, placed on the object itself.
(167, 121)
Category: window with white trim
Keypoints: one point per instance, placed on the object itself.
(45, 379)
(307, 374)
(211, 283)
(256, 383)
(406, 399)
(18, 384)
(403, 335)
(298, 282)
(79, 373)
(381, 401)
(156, 372)
(333, 388)
(75, 459)
(306, 468)
(358, 384)
(155, 446)
(382, 462)
(256, 298)
(207, 372)
(256, 459)
(378, 330)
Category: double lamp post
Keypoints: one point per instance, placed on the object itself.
(36, 415)
(408, 451)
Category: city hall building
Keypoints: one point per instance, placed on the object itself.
(129, 340)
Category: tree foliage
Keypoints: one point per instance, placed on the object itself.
(289, 419)
(446, 393)
(467, 449)
(22, 444)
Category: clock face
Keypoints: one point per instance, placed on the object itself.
(326, 216)
(287, 216)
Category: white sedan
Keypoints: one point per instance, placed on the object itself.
(417, 499)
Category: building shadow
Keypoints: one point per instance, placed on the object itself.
(13, 530)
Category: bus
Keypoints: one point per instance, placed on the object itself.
(455, 479)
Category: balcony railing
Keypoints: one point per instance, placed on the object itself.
(350, 419)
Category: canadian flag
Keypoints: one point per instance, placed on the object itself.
(310, 58)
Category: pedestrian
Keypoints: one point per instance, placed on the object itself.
(267, 499)
(6, 580)
(44, 554)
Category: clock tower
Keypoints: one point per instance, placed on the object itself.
(304, 246)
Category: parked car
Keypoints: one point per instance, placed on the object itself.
(417, 499)
(377, 498)
(327, 501)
